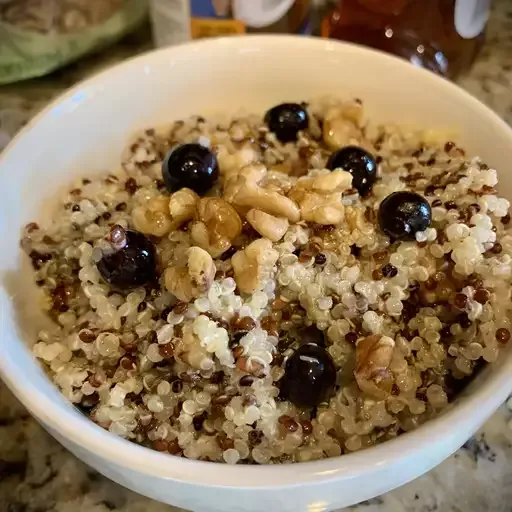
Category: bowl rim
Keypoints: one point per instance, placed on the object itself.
(65, 420)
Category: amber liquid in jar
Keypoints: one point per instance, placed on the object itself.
(422, 31)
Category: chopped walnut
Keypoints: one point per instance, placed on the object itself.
(244, 189)
(341, 125)
(188, 349)
(182, 206)
(355, 218)
(254, 264)
(153, 218)
(319, 198)
(277, 182)
(231, 163)
(215, 226)
(283, 168)
(373, 358)
(193, 280)
(267, 225)
(335, 181)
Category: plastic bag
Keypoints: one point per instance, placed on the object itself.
(39, 36)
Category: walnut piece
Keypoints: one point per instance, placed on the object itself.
(188, 348)
(341, 125)
(267, 225)
(373, 358)
(193, 280)
(182, 206)
(215, 226)
(153, 218)
(319, 197)
(355, 219)
(231, 163)
(254, 264)
(243, 189)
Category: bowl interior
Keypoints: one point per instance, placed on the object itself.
(85, 131)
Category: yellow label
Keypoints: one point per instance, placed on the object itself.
(208, 27)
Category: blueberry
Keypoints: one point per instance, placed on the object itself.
(132, 262)
(191, 166)
(310, 376)
(403, 214)
(313, 335)
(357, 162)
(286, 120)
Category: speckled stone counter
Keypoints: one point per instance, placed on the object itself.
(38, 475)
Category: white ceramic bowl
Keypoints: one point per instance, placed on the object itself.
(85, 130)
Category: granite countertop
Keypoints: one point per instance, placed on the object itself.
(38, 475)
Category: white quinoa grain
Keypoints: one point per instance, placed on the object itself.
(164, 388)
(153, 353)
(155, 404)
(190, 407)
(231, 456)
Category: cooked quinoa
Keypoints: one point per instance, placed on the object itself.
(280, 255)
